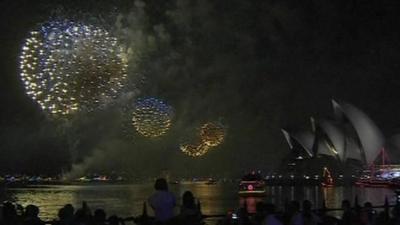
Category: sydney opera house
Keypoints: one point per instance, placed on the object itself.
(349, 136)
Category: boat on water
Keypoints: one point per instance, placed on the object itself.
(211, 181)
(374, 183)
(380, 176)
(175, 182)
(252, 185)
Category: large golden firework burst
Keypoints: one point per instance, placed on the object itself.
(68, 66)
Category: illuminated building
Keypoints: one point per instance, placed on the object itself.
(350, 135)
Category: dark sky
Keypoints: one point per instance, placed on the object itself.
(257, 65)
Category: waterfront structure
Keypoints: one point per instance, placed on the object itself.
(351, 134)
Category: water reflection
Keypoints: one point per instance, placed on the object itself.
(250, 203)
(127, 200)
(123, 200)
(215, 199)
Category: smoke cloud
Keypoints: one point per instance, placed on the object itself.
(257, 65)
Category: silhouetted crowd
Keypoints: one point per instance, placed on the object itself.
(17, 215)
(295, 214)
(163, 203)
(190, 214)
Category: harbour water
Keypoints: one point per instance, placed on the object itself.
(127, 200)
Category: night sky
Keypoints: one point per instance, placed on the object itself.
(258, 66)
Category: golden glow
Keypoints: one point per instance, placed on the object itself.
(152, 117)
(195, 150)
(66, 65)
(331, 148)
(49, 203)
(212, 134)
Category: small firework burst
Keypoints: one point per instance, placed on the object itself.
(212, 134)
(194, 150)
(152, 117)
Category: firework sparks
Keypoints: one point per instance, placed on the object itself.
(67, 66)
(212, 134)
(152, 117)
(196, 150)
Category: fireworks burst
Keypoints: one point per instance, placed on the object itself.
(212, 134)
(68, 66)
(152, 117)
(196, 150)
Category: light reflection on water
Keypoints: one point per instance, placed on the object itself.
(127, 200)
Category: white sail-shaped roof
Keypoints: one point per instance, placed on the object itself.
(305, 139)
(324, 149)
(337, 110)
(287, 137)
(368, 133)
(353, 150)
(336, 136)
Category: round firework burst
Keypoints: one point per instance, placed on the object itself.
(212, 134)
(194, 150)
(152, 117)
(68, 66)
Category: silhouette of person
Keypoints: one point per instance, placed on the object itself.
(270, 217)
(162, 201)
(348, 214)
(99, 217)
(9, 213)
(31, 216)
(190, 212)
(309, 217)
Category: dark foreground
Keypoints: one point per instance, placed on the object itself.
(294, 214)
